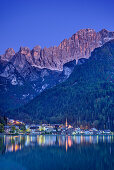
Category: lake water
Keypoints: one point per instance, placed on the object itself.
(56, 152)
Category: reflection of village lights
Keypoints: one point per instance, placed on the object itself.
(90, 139)
(12, 148)
(41, 140)
(108, 139)
(28, 140)
(75, 140)
(66, 145)
(59, 141)
(37, 139)
(69, 141)
(97, 139)
(16, 147)
(45, 140)
(81, 139)
(103, 138)
(20, 137)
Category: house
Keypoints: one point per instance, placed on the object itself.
(34, 128)
(94, 131)
(78, 130)
(50, 129)
(87, 132)
(7, 129)
(107, 131)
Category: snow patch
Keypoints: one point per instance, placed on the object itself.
(14, 81)
(67, 71)
(44, 86)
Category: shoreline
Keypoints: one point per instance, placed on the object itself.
(55, 135)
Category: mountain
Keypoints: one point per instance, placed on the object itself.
(86, 97)
(19, 87)
(25, 74)
(80, 45)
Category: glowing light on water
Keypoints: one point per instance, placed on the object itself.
(97, 138)
(81, 139)
(66, 145)
(90, 139)
(103, 138)
(69, 141)
(27, 140)
(59, 141)
(14, 143)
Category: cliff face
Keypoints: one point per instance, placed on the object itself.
(25, 74)
(9, 53)
(80, 45)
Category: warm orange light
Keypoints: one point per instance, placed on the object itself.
(59, 141)
(81, 139)
(66, 145)
(16, 147)
(12, 148)
(69, 126)
(69, 141)
(90, 139)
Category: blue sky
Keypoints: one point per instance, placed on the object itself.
(48, 22)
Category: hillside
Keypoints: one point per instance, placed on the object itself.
(87, 97)
(26, 73)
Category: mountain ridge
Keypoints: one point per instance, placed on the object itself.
(79, 45)
(86, 97)
(25, 74)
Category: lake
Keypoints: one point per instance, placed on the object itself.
(53, 152)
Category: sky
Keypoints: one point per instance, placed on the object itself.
(48, 22)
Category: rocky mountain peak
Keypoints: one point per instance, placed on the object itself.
(36, 51)
(9, 53)
(106, 35)
(104, 31)
(27, 53)
(86, 30)
(37, 48)
(80, 45)
(24, 50)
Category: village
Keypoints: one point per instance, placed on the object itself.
(16, 127)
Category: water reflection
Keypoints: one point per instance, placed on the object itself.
(15, 143)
